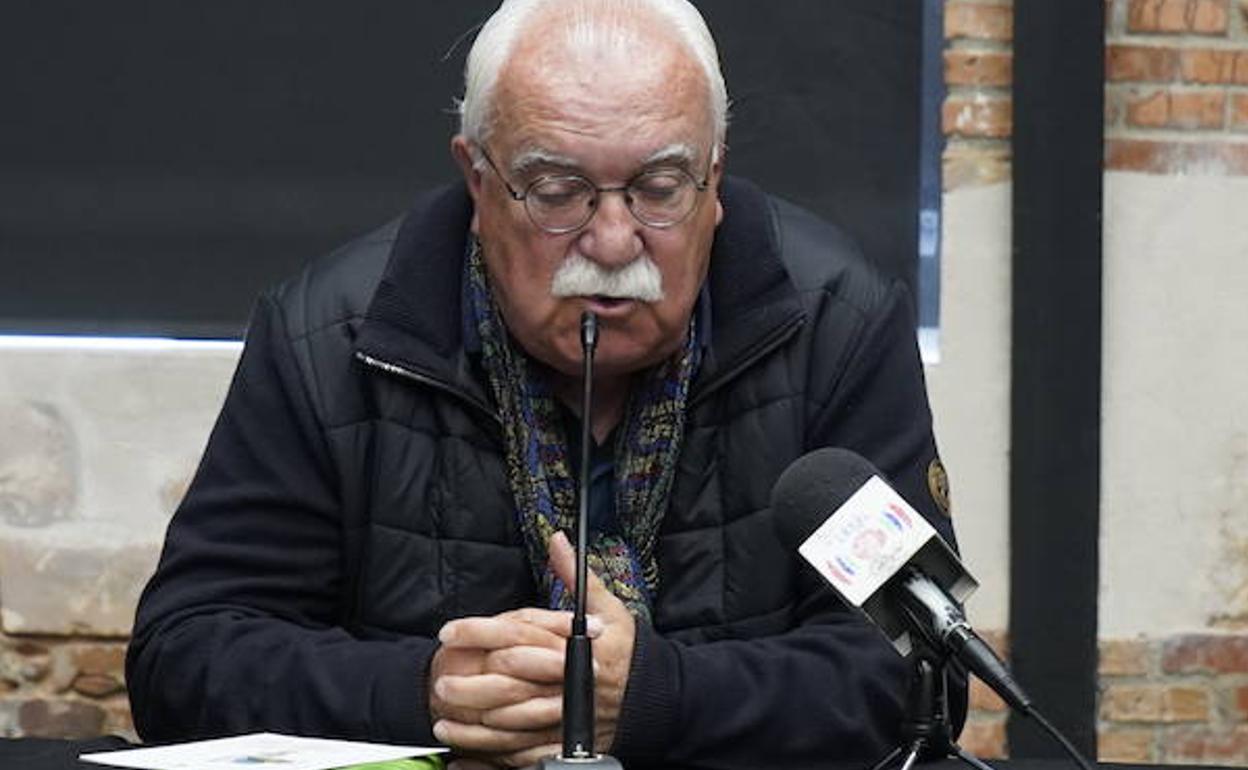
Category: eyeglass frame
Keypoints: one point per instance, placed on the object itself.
(598, 190)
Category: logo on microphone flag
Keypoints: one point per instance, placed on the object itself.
(865, 541)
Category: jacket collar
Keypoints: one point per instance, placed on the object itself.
(414, 318)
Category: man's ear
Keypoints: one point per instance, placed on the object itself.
(717, 176)
(461, 151)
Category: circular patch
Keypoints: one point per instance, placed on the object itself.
(938, 484)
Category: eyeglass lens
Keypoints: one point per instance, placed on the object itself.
(659, 198)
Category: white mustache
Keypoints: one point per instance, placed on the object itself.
(578, 276)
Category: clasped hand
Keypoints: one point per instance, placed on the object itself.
(496, 683)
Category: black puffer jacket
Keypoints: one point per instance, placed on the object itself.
(353, 498)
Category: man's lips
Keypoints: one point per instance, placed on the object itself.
(609, 306)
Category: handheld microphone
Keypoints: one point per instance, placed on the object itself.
(884, 559)
(578, 663)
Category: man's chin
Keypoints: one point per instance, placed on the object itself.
(617, 360)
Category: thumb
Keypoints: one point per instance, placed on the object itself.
(599, 598)
(562, 559)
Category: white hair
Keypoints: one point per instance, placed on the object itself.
(595, 25)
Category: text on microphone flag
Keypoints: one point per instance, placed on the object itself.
(866, 541)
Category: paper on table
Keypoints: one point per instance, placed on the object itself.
(261, 751)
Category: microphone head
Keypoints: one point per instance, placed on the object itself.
(815, 485)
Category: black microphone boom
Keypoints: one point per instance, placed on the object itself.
(578, 663)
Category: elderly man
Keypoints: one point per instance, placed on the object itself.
(369, 548)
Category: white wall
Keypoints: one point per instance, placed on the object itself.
(96, 447)
(1174, 499)
(970, 387)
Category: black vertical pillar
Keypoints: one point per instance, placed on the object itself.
(1056, 369)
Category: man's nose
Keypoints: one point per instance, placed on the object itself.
(612, 237)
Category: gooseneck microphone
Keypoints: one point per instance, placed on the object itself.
(578, 663)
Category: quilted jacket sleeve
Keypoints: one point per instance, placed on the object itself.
(237, 627)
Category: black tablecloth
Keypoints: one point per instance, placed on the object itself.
(45, 754)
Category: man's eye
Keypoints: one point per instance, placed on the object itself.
(658, 186)
(556, 193)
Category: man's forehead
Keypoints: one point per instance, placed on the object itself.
(530, 158)
(649, 66)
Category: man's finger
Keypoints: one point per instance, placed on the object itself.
(479, 738)
(555, 621)
(534, 664)
(563, 562)
(489, 691)
(496, 633)
(532, 714)
(531, 756)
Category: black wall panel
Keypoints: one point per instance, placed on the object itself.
(162, 162)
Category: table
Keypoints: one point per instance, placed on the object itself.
(49, 754)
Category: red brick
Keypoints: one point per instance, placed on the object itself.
(100, 658)
(1171, 157)
(97, 685)
(1238, 711)
(998, 640)
(1140, 62)
(1206, 653)
(979, 22)
(1207, 746)
(1149, 110)
(984, 739)
(1204, 17)
(59, 719)
(990, 118)
(1239, 112)
(1124, 657)
(1241, 61)
(1154, 703)
(1198, 109)
(978, 68)
(1157, 15)
(1211, 17)
(1177, 109)
(30, 649)
(982, 698)
(1208, 65)
(1133, 746)
(976, 166)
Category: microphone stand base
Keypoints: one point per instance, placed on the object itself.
(595, 762)
(926, 728)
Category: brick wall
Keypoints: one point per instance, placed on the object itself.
(1176, 96)
(1176, 103)
(1181, 700)
(96, 448)
(978, 112)
(61, 687)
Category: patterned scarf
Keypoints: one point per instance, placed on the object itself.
(538, 468)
